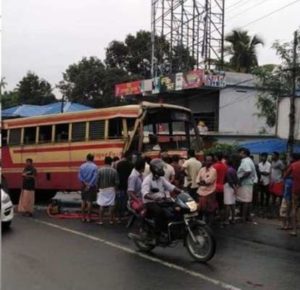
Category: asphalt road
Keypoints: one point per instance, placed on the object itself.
(45, 253)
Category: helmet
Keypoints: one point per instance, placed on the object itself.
(157, 167)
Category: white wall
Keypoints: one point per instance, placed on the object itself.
(237, 112)
(283, 118)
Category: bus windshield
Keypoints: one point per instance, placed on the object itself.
(165, 128)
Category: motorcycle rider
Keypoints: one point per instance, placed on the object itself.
(155, 192)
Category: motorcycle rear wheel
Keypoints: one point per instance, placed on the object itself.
(205, 247)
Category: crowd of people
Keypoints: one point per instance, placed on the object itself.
(223, 186)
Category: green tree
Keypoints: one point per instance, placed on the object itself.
(2, 84)
(242, 49)
(226, 149)
(182, 60)
(91, 83)
(83, 81)
(276, 81)
(134, 55)
(35, 91)
(10, 99)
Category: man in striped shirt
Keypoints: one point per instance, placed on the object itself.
(108, 181)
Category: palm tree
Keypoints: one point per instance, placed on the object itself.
(242, 49)
(2, 84)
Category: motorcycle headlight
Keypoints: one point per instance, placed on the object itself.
(192, 205)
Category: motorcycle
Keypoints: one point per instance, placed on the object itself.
(184, 225)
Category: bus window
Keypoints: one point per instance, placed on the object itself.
(62, 133)
(179, 128)
(78, 131)
(45, 135)
(15, 136)
(115, 128)
(97, 130)
(29, 135)
(4, 137)
(162, 128)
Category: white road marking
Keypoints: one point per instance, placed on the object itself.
(133, 252)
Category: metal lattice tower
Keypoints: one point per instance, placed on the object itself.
(194, 24)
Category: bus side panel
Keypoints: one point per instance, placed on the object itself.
(58, 164)
(100, 149)
(12, 167)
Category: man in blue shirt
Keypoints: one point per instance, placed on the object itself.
(88, 173)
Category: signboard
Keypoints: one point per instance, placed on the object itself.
(146, 87)
(167, 83)
(125, 89)
(215, 79)
(283, 124)
(193, 79)
(178, 81)
(156, 85)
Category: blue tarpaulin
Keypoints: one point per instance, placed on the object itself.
(33, 110)
(268, 146)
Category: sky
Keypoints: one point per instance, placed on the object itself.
(46, 36)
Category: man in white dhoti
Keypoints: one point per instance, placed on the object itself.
(108, 181)
(247, 177)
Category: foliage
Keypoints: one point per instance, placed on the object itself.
(35, 91)
(30, 90)
(226, 149)
(91, 83)
(275, 82)
(134, 55)
(9, 99)
(242, 49)
(83, 81)
(182, 61)
(2, 84)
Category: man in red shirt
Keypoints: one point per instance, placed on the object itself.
(294, 171)
(221, 169)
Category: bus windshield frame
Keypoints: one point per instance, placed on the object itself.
(164, 128)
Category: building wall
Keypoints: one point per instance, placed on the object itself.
(234, 107)
(237, 112)
(283, 122)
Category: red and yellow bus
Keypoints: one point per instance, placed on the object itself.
(59, 143)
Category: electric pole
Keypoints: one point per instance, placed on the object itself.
(291, 139)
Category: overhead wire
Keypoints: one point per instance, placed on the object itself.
(271, 13)
(265, 16)
(246, 10)
(234, 5)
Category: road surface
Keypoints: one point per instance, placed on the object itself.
(46, 253)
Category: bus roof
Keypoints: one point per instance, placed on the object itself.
(128, 111)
